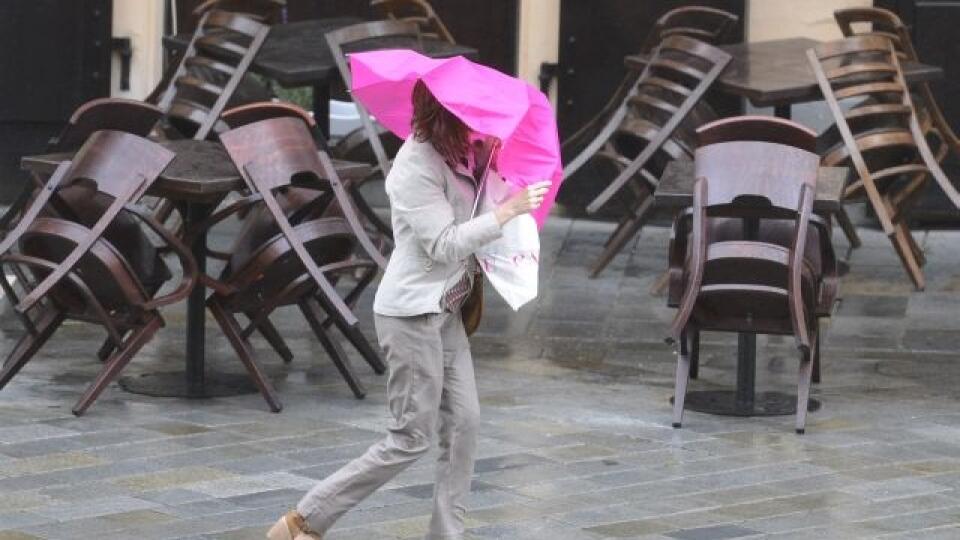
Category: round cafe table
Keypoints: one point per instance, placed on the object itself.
(197, 180)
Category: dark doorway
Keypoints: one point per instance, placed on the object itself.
(594, 38)
(56, 55)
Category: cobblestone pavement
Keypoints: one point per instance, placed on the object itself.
(576, 440)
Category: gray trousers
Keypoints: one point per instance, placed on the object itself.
(431, 381)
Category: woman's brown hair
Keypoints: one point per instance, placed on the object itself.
(435, 124)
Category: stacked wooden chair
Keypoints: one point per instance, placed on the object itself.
(885, 23)
(370, 137)
(297, 258)
(750, 256)
(709, 25)
(880, 137)
(653, 125)
(209, 73)
(76, 256)
(418, 11)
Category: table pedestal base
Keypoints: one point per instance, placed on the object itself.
(725, 403)
(176, 385)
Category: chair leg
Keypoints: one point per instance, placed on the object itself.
(816, 357)
(243, 349)
(694, 353)
(907, 257)
(807, 361)
(273, 337)
(355, 337)
(680, 386)
(118, 360)
(312, 312)
(623, 236)
(364, 207)
(849, 229)
(28, 345)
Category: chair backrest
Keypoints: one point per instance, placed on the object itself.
(116, 114)
(881, 134)
(268, 11)
(115, 165)
(278, 153)
(678, 74)
(707, 24)
(219, 54)
(351, 39)
(758, 128)
(873, 21)
(757, 174)
(265, 110)
(418, 11)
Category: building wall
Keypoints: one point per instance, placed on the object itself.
(777, 19)
(142, 21)
(539, 36)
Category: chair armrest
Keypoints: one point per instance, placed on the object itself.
(187, 262)
(697, 263)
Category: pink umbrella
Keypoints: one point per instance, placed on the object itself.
(487, 101)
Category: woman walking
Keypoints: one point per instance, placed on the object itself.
(417, 314)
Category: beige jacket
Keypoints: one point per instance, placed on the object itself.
(434, 236)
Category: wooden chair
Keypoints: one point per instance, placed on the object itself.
(709, 25)
(750, 255)
(881, 136)
(370, 135)
(259, 225)
(885, 23)
(418, 11)
(72, 269)
(300, 263)
(219, 54)
(653, 124)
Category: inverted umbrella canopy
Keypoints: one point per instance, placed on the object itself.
(486, 100)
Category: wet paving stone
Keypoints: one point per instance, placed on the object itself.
(575, 441)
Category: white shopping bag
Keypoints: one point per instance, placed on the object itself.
(511, 263)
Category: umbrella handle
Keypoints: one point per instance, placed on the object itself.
(483, 176)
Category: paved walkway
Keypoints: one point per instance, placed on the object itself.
(576, 440)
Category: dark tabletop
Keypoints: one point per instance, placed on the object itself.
(675, 189)
(771, 73)
(296, 54)
(201, 170)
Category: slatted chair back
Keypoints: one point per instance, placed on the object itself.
(418, 11)
(873, 21)
(707, 24)
(354, 38)
(758, 128)
(863, 85)
(870, 21)
(255, 112)
(219, 54)
(679, 73)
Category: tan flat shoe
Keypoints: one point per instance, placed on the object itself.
(291, 527)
